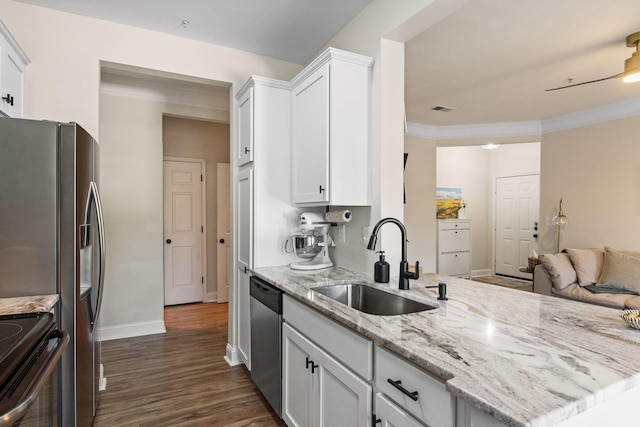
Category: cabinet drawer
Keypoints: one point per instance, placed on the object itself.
(453, 264)
(434, 406)
(454, 240)
(455, 225)
(355, 351)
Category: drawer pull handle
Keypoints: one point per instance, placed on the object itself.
(413, 395)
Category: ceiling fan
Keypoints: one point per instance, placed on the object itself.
(631, 66)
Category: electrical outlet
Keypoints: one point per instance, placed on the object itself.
(366, 234)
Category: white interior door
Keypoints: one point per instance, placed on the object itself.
(183, 233)
(517, 210)
(224, 231)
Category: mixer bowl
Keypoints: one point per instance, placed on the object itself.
(307, 245)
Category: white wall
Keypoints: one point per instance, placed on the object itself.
(63, 83)
(419, 211)
(596, 170)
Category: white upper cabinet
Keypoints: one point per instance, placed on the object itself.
(330, 131)
(245, 126)
(13, 63)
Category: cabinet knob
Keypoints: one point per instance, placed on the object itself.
(221, 240)
(8, 99)
(169, 241)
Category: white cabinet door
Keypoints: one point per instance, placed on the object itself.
(245, 127)
(344, 400)
(310, 106)
(391, 415)
(13, 63)
(244, 262)
(244, 319)
(245, 219)
(297, 352)
(317, 389)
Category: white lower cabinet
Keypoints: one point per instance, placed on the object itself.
(415, 391)
(388, 414)
(318, 390)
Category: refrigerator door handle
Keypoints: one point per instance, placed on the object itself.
(94, 196)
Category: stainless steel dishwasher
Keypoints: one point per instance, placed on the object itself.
(266, 340)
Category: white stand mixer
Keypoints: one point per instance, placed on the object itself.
(312, 242)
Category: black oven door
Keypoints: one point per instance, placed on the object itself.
(29, 389)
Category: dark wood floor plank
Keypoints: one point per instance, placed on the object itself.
(180, 378)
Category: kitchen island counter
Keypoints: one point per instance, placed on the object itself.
(523, 358)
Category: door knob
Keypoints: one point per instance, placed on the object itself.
(221, 240)
(168, 240)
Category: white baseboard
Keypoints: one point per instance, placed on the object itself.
(211, 296)
(485, 272)
(130, 330)
(232, 357)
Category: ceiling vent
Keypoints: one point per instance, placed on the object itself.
(442, 108)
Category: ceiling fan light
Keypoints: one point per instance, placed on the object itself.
(632, 68)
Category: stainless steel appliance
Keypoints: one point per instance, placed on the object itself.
(30, 347)
(266, 340)
(52, 242)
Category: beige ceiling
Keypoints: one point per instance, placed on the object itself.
(493, 59)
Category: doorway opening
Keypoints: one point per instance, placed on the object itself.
(474, 170)
(189, 139)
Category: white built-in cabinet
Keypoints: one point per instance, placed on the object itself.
(262, 188)
(454, 247)
(13, 64)
(326, 371)
(330, 131)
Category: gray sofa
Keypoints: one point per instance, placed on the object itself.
(605, 277)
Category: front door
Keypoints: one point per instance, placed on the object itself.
(183, 232)
(517, 206)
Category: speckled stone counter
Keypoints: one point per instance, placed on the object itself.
(526, 359)
(33, 304)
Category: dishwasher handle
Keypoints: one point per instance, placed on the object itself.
(266, 294)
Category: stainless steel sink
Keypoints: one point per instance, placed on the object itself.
(372, 300)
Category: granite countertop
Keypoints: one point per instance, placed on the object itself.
(526, 359)
(32, 304)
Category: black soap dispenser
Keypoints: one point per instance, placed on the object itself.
(381, 269)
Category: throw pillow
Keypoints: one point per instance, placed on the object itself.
(620, 270)
(560, 269)
(588, 264)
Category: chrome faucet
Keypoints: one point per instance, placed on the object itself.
(405, 274)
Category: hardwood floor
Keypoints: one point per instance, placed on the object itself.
(180, 378)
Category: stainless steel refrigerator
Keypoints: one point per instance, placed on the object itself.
(52, 242)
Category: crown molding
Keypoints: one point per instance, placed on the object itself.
(484, 130)
(331, 54)
(4, 32)
(605, 113)
(262, 81)
(614, 111)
